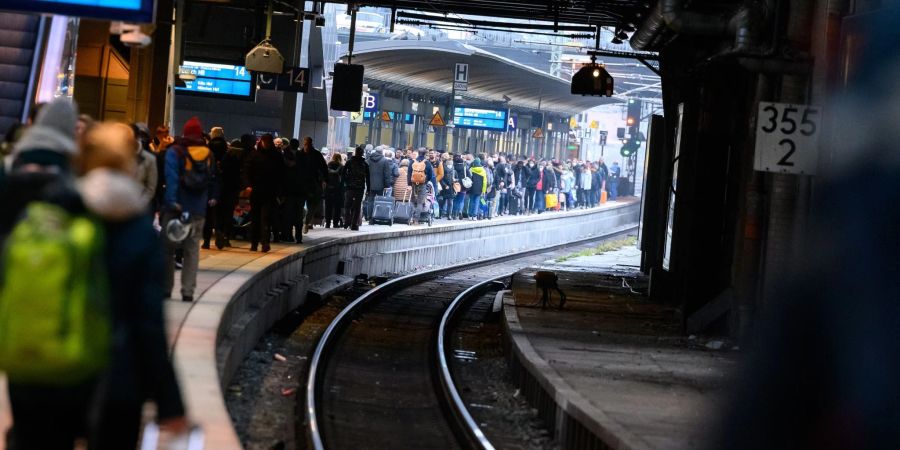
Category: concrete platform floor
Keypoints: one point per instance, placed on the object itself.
(616, 360)
(216, 264)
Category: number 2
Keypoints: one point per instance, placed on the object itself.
(784, 159)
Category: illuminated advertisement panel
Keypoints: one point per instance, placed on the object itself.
(137, 11)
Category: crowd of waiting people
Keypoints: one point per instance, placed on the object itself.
(109, 211)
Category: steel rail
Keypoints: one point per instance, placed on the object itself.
(460, 409)
(327, 338)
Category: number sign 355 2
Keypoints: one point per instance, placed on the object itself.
(787, 138)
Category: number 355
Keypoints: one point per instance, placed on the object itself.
(788, 123)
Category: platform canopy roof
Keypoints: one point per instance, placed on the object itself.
(429, 65)
(586, 12)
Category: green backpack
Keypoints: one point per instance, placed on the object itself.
(55, 324)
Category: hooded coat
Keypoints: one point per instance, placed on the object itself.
(380, 171)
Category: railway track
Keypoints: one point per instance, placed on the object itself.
(380, 375)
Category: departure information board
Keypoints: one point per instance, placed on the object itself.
(480, 118)
(407, 118)
(218, 80)
(137, 11)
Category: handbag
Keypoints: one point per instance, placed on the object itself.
(467, 182)
(551, 201)
(457, 187)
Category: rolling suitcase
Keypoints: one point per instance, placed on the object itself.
(403, 210)
(513, 205)
(383, 209)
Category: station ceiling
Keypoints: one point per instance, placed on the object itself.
(429, 65)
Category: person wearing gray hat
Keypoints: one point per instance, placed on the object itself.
(41, 172)
(40, 163)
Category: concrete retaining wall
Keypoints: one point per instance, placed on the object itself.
(229, 318)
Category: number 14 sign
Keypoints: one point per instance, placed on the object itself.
(787, 138)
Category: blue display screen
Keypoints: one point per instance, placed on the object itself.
(217, 80)
(140, 11)
(480, 118)
(408, 118)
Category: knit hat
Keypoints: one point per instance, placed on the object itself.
(216, 132)
(53, 130)
(477, 162)
(193, 130)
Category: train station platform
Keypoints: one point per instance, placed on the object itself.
(240, 294)
(611, 370)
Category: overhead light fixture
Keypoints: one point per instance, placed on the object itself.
(622, 35)
(616, 40)
(265, 57)
(628, 27)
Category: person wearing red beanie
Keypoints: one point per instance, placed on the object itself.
(191, 186)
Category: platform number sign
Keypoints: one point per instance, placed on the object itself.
(294, 79)
(787, 138)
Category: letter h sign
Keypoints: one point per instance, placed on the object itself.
(461, 74)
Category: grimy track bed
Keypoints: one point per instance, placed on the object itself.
(377, 383)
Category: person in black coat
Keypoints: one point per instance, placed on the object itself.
(531, 175)
(312, 170)
(262, 174)
(219, 147)
(290, 210)
(355, 176)
(334, 192)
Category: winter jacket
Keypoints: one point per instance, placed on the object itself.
(460, 171)
(230, 165)
(567, 181)
(549, 180)
(519, 174)
(311, 171)
(176, 165)
(401, 184)
(146, 174)
(356, 174)
(140, 368)
(438, 169)
(596, 180)
(479, 180)
(531, 174)
(263, 172)
(502, 174)
(380, 172)
(449, 175)
(604, 171)
(333, 183)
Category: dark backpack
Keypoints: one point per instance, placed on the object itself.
(197, 174)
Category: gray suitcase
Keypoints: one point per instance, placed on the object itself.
(403, 210)
(383, 209)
